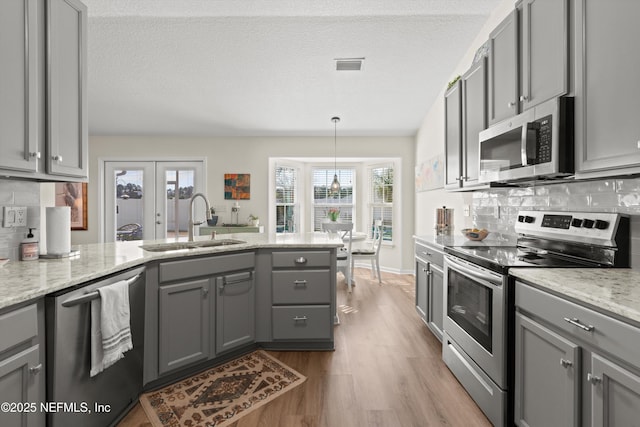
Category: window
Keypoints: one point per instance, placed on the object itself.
(286, 199)
(381, 200)
(323, 200)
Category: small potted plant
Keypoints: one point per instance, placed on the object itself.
(214, 218)
(333, 214)
(254, 220)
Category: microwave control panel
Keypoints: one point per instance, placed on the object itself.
(544, 139)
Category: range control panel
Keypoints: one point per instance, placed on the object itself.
(595, 227)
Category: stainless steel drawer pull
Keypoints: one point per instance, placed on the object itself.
(576, 322)
(565, 363)
(593, 379)
(425, 270)
(35, 369)
(300, 283)
(427, 253)
(301, 260)
(300, 319)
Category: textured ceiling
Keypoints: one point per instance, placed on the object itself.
(266, 68)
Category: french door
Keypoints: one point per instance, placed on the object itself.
(146, 200)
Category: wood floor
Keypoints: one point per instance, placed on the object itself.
(386, 370)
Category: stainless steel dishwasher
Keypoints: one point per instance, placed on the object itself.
(79, 399)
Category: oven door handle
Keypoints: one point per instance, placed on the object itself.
(474, 273)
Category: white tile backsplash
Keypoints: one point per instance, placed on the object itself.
(607, 195)
(18, 193)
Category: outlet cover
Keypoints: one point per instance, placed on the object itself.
(14, 216)
(467, 210)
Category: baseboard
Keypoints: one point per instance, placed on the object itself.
(385, 269)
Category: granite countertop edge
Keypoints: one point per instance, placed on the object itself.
(23, 281)
(610, 291)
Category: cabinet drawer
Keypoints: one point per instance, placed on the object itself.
(304, 322)
(198, 267)
(18, 326)
(301, 287)
(607, 334)
(301, 259)
(429, 254)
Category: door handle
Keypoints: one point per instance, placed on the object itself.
(33, 370)
(566, 363)
(576, 322)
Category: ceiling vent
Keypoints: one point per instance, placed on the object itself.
(349, 64)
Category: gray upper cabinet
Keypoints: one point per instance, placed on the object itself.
(67, 124)
(607, 99)
(453, 136)
(474, 120)
(18, 85)
(235, 311)
(545, 51)
(503, 69)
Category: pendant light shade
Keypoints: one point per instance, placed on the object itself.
(335, 185)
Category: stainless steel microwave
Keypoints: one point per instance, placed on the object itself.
(535, 144)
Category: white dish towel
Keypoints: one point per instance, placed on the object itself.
(110, 326)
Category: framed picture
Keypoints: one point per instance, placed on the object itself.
(74, 195)
(237, 186)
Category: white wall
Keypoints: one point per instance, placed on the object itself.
(430, 139)
(251, 155)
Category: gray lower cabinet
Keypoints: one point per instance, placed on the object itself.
(430, 287)
(547, 369)
(22, 366)
(607, 102)
(302, 295)
(184, 324)
(503, 70)
(235, 311)
(574, 366)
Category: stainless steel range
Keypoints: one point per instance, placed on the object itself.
(478, 323)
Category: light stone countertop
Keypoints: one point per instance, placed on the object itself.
(612, 291)
(22, 281)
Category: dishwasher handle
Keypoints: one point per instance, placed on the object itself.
(93, 294)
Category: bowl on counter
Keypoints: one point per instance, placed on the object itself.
(475, 234)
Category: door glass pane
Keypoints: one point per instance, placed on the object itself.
(129, 204)
(179, 185)
(469, 305)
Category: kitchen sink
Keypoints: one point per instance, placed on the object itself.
(176, 246)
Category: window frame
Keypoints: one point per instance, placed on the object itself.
(296, 199)
(383, 205)
(329, 173)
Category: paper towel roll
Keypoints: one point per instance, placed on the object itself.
(59, 230)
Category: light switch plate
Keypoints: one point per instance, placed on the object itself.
(14, 216)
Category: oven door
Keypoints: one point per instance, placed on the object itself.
(475, 315)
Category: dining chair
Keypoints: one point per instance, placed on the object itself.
(372, 253)
(343, 256)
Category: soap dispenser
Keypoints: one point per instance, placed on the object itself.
(29, 248)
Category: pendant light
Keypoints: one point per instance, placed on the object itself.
(335, 185)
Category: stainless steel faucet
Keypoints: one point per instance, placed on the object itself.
(192, 224)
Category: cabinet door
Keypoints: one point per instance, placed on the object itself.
(503, 69)
(435, 314)
(607, 99)
(474, 85)
(235, 311)
(453, 136)
(184, 327)
(615, 396)
(546, 387)
(18, 85)
(18, 384)
(545, 50)
(67, 132)
(422, 272)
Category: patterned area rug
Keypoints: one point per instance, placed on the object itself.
(221, 395)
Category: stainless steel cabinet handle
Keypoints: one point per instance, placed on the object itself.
(300, 319)
(429, 273)
(35, 154)
(300, 283)
(427, 253)
(205, 292)
(576, 322)
(58, 158)
(300, 260)
(511, 104)
(158, 222)
(35, 369)
(523, 98)
(425, 270)
(565, 363)
(593, 379)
